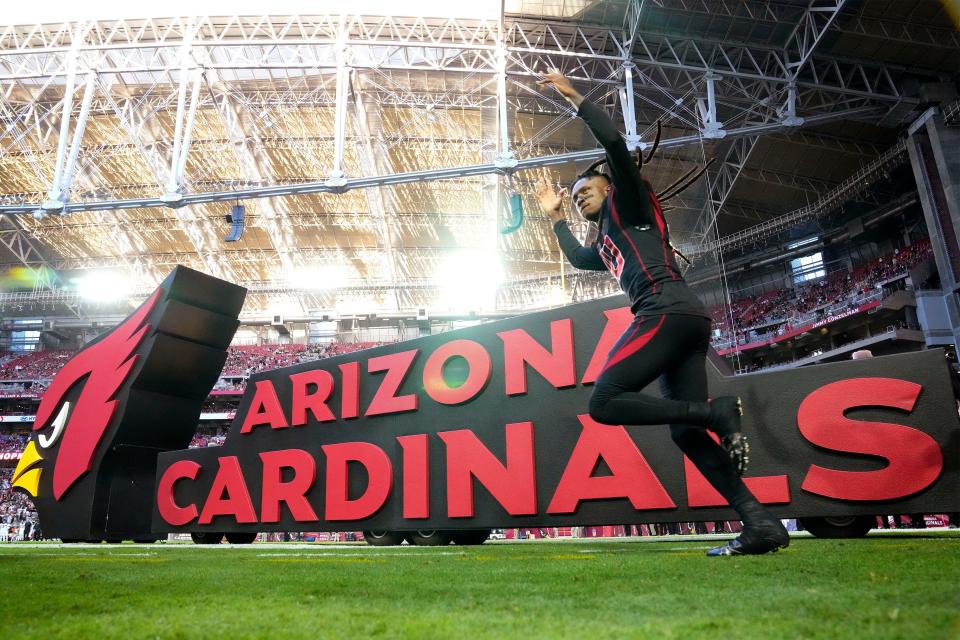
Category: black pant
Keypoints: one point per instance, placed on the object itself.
(674, 349)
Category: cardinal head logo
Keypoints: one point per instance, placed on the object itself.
(67, 435)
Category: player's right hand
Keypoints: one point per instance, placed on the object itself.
(551, 201)
(558, 81)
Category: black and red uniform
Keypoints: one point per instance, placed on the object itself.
(670, 334)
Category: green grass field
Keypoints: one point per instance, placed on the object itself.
(883, 586)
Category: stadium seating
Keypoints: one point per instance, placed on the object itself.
(781, 306)
(12, 443)
(242, 361)
(27, 374)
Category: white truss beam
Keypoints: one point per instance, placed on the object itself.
(807, 184)
(387, 42)
(799, 48)
(748, 10)
(429, 175)
(836, 144)
(68, 173)
(774, 11)
(902, 32)
(850, 187)
(723, 180)
(813, 25)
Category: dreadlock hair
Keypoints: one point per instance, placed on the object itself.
(592, 172)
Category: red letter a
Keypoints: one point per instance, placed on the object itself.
(264, 409)
(632, 477)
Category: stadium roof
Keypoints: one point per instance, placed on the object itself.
(374, 153)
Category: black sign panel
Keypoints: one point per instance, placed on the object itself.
(488, 427)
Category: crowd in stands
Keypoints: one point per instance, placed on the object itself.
(232, 383)
(28, 374)
(18, 518)
(778, 311)
(208, 439)
(36, 365)
(13, 442)
(218, 406)
(245, 360)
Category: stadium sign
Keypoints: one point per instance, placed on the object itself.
(477, 428)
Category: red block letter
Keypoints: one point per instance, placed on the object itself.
(230, 483)
(514, 486)
(264, 409)
(315, 402)
(170, 511)
(379, 472)
(350, 391)
(416, 476)
(294, 492)
(632, 477)
(556, 366)
(385, 399)
(617, 322)
(914, 458)
(478, 362)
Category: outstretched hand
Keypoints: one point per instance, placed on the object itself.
(553, 78)
(550, 200)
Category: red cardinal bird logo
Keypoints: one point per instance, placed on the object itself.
(105, 365)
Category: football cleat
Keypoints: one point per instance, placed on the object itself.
(738, 449)
(758, 539)
(725, 413)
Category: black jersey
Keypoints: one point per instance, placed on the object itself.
(634, 241)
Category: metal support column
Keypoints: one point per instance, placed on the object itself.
(78, 130)
(629, 109)
(337, 177)
(54, 202)
(789, 116)
(505, 158)
(182, 136)
(708, 113)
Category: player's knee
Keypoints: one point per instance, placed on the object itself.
(599, 409)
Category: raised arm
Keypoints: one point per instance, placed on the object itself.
(630, 185)
(579, 256)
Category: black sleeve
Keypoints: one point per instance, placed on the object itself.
(631, 194)
(579, 256)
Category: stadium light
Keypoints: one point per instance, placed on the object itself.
(103, 286)
(469, 279)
